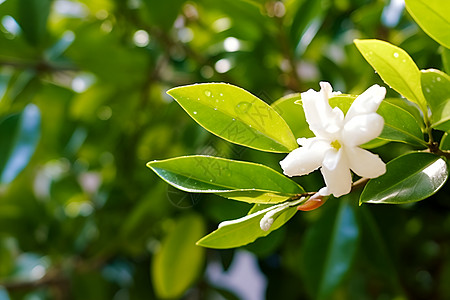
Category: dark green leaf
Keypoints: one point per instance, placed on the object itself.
(19, 134)
(329, 247)
(244, 181)
(433, 17)
(236, 116)
(245, 230)
(179, 261)
(32, 16)
(408, 178)
(436, 88)
(395, 67)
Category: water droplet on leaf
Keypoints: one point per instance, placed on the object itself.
(208, 93)
(195, 112)
(395, 54)
(243, 107)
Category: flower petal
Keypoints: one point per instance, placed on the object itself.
(338, 179)
(365, 163)
(362, 129)
(305, 159)
(322, 119)
(367, 102)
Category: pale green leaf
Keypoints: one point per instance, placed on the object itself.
(179, 261)
(236, 116)
(395, 67)
(293, 114)
(433, 16)
(245, 230)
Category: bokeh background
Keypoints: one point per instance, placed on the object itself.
(86, 219)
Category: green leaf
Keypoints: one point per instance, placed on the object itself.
(245, 230)
(238, 180)
(399, 125)
(293, 114)
(329, 248)
(32, 16)
(395, 67)
(408, 178)
(179, 262)
(375, 249)
(436, 87)
(445, 142)
(236, 116)
(446, 59)
(19, 134)
(433, 17)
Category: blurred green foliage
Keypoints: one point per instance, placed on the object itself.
(86, 219)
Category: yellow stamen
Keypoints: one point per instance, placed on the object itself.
(336, 145)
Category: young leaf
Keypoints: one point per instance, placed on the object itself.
(399, 125)
(436, 88)
(19, 134)
(236, 116)
(238, 180)
(293, 114)
(408, 178)
(395, 67)
(433, 17)
(245, 230)
(179, 262)
(329, 248)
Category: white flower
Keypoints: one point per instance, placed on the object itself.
(335, 145)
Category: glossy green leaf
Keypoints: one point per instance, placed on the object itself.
(399, 125)
(436, 88)
(408, 178)
(445, 142)
(433, 17)
(243, 181)
(179, 261)
(236, 116)
(245, 230)
(395, 67)
(293, 114)
(32, 16)
(19, 134)
(329, 247)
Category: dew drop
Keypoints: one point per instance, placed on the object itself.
(438, 78)
(233, 119)
(395, 54)
(208, 93)
(195, 112)
(427, 90)
(215, 108)
(243, 107)
(221, 94)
